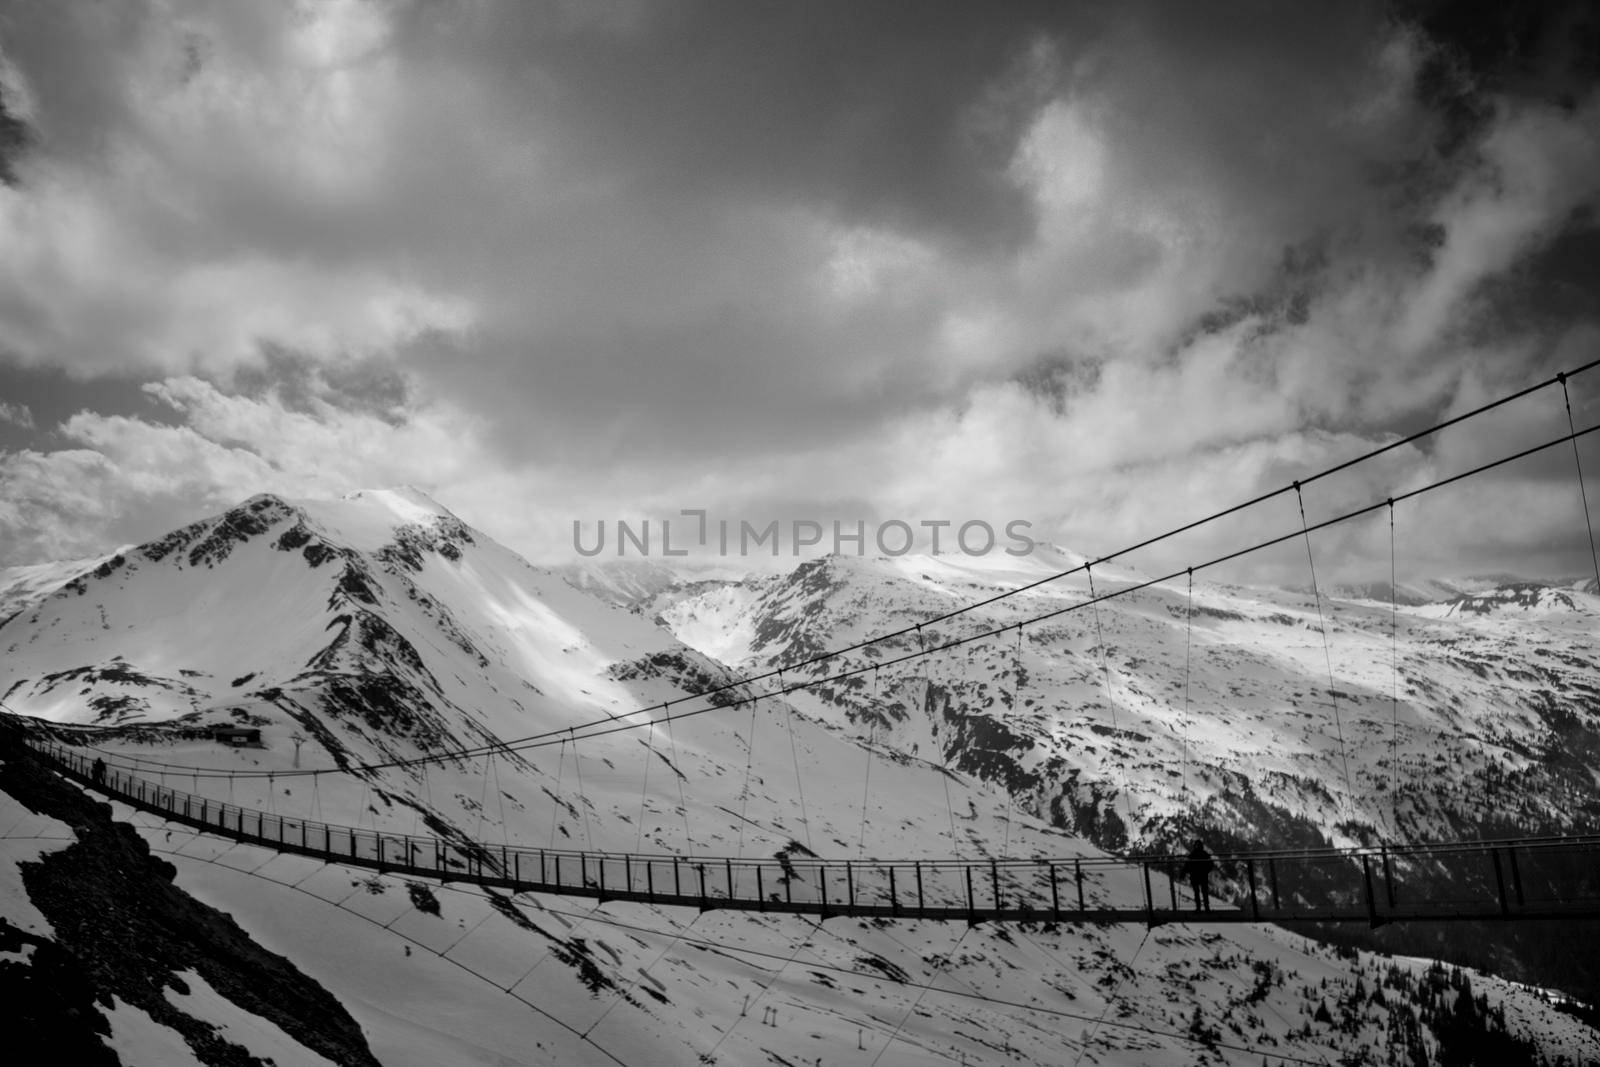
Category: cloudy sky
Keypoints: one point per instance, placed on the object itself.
(1101, 267)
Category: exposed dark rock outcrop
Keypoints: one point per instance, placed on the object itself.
(124, 929)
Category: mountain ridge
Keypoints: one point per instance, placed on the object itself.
(362, 635)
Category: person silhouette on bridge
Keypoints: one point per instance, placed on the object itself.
(98, 771)
(1197, 868)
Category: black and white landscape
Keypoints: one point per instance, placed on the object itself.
(380, 627)
(480, 420)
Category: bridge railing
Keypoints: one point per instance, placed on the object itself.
(1529, 878)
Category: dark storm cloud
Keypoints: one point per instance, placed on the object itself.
(899, 113)
(946, 258)
(679, 297)
(369, 386)
(14, 137)
(51, 396)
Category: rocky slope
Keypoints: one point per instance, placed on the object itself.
(1247, 716)
(1232, 710)
(380, 627)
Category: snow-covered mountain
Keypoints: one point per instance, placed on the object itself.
(1427, 590)
(1157, 716)
(299, 606)
(380, 627)
(1228, 710)
(1526, 598)
(21, 586)
(645, 586)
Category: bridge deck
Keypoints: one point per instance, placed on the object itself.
(1510, 879)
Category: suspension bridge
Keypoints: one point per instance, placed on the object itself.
(1505, 879)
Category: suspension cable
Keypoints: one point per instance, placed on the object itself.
(1582, 492)
(749, 760)
(866, 780)
(583, 798)
(1188, 635)
(561, 766)
(500, 802)
(794, 754)
(1327, 654)
(1105, 673)
(483, 796)
(933, 974)
(601, 728)
(944, 755)
(644, 788)
(974, 994)
(709, 1056)
(1394, 673)
(626, 995)
(618, 723)
(1111, 998)
(416, 805)
(1016, 708)
(683, 801)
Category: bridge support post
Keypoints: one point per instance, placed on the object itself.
(920, 904)
(677, 878)
(650, 879)
(516, 874)
(728, 865)
(627, 873)
(822, 887)
(761, 891)
(994, 885)
(558, 870)
(1500, 882)
(600, 878)
(894, 900)
(849, 885)
(1077, 874)
(1149, 897)
(972, 911)
(1372, 900)
(1055, 896)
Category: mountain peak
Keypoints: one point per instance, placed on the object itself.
(368, 519)
(407, 502)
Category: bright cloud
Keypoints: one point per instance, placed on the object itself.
(1101, 269)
